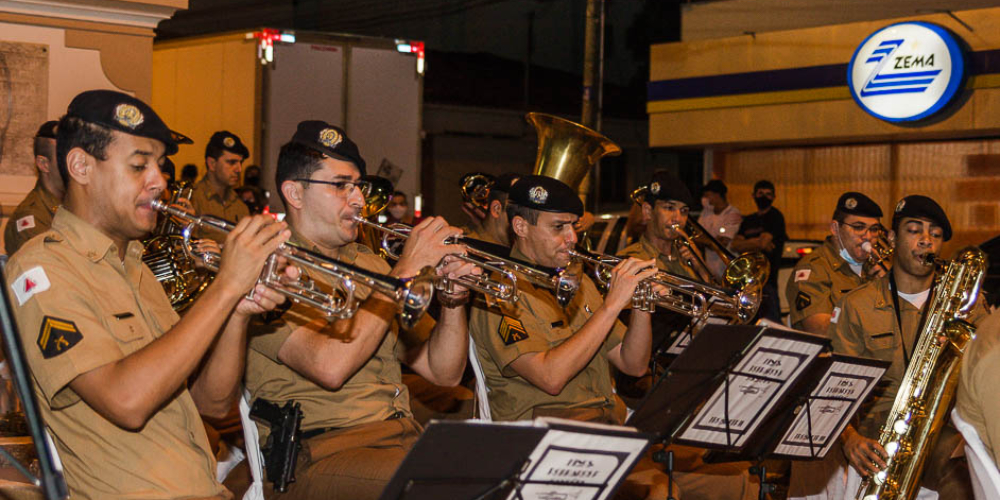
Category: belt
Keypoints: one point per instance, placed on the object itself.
(311, 433)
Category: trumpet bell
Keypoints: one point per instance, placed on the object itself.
(568, 150)
(747, 273)
(378, 196)
(417, 296)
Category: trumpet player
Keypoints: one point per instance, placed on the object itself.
(495, 226)
(816, 286)
(881, 319)
(121, 380)
(357, 422)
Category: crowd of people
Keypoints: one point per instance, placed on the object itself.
(136, 396)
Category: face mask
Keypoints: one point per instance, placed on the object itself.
(844, 254)
(250, 181)
(397, 211)
(762, 202)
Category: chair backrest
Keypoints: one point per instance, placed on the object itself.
(254, 457)
(982, 468)
(482, 390)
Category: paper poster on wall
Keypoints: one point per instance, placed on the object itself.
(24, 91)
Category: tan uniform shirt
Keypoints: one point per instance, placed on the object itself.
(977, 400)
(207, 202)
(79, 307)
(536, 323)
(644, 250)
(864, 324)
(374, 393)
(819, 281)
(33, 216)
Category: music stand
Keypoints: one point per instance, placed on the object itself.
(51, 480)
(534, 460)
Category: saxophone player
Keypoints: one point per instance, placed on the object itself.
(881, 319)
(357, 422)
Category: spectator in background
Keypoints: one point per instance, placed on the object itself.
(168, 171)
(764, 230)
(720, 219)
(398, 210)
(255, 197)
(189, 173)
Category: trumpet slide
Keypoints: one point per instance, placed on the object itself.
(413, 295)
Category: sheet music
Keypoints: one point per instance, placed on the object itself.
(684, 338)
(835, 399)
(570, 465)
(756, 384)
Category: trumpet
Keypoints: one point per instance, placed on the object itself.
(880, 251)
(476, 189)
(485, 256)
(412, 294)
(688, 296)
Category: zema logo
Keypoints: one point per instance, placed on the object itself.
(906, 71)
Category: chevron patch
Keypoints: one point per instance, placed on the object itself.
(511, 331)
(57, 336)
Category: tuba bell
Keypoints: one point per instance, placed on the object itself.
(567, 151)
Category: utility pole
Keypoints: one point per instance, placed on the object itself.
(593, 86)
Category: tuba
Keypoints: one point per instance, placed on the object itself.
(567, 151)
(164, 253)
(928, 387)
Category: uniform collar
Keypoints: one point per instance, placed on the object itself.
(883, 295)
(48, 199)
(90, 242)
(650, 249)
(205, 185)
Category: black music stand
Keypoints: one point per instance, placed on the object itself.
(51, 480)
(727, 385)
(540, 460)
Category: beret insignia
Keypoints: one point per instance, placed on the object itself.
(900, 205)
(654, 188)
(128, 115)
(538, 195)
(851, 203)
(330, 137)
(228, 142)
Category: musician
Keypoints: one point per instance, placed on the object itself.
(121, 381)
(815, 287)
(720, 219)
(667, 203)
(541, 359)
(977, 402)
(822, 277)
(495, 227)
(215, 194)
(33, 216)
(881, 319)
(764, 231)
(357, 424)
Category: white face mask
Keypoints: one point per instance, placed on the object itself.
(844, 254)
(397, 211)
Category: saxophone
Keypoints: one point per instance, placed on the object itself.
(164, 253)
(927, 389)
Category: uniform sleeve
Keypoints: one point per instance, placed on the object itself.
(808, 291)
(507, 334)
(64, 334)
(616, 337)
(983, 380)
(845, 330)
(268, 337)
(14, 238)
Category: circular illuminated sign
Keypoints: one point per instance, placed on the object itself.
(906, 71)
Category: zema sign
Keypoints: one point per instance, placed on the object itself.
(906, 72)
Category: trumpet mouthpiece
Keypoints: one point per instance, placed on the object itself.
(867, 246)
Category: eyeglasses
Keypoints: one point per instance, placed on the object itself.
(859, 228)
(344, 188)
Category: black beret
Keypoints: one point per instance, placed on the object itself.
(47, 130)
(227, 141)
(855, 203)
(921, 207)
(715, 186)
(329, 140)
(505, 181)
(546, 194)
(667, 186)
(121, 112)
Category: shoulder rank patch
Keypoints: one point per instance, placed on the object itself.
(802, 274)
(57, 336)
(802, 301)
(26, 222)
(511, 331)
(835, 316)
(29, 283)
